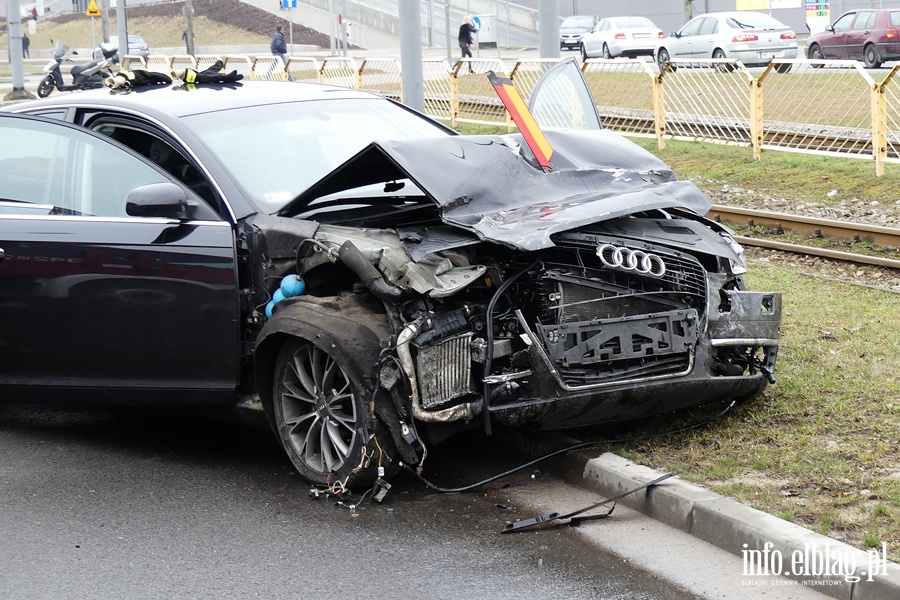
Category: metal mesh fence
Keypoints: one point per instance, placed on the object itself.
(341, 71)
(821, 106)
(155, 63)
(436, 78)
(623, 91)
(180, 62)
(477, 102)
(269, 68)
(304, 69)
(527, 72)
(130, 63)
(707, 100)
(206, 61)
(241, 64)
(890, 114)
(382, 76)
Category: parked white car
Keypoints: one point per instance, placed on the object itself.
(621, 36)
(754, 38)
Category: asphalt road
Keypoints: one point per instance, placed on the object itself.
(141, 505)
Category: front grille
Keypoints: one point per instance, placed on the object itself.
(625, 370)
(602, 324)
(577, 286)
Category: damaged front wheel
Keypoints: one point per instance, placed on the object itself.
(322, 418)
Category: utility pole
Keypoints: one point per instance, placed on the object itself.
(122, 29)
(189, 16)
(548, 28)
(14, 21)
(104, 19)
(412, 78)
(688, 10)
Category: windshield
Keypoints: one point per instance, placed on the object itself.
(277, 151)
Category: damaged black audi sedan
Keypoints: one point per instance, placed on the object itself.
(360, 272)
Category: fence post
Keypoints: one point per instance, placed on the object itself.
(359, 75)
(756, 113)
(454, 95)
(659, 115)
(879, 127)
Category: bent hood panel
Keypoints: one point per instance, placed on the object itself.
(483, 183)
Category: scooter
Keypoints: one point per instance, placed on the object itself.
(84, 76)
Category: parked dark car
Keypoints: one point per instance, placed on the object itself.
(573, 28)
(871, 35)
(359, 271)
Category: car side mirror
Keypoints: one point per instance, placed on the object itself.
(674, 34)
(165, 200)
(829, 28)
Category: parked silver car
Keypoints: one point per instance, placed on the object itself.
(621, 36)
(754, 38)
(571, 30)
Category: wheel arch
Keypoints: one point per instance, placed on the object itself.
(345, 325)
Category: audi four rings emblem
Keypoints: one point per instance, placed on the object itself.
(626, 259)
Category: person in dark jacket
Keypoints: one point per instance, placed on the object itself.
(465, 38)
(26, 44)
(279, 47)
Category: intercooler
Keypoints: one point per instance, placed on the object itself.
(445, 371)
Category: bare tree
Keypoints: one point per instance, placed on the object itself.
(688, 10)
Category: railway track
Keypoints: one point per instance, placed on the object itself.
(886, 237)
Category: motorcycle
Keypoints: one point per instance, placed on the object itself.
(84, 76)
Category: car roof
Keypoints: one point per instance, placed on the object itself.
(178, 101)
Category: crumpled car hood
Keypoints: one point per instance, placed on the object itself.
(484, 184)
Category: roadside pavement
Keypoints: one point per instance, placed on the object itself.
(770, 556)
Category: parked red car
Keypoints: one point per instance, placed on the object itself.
(872, 36)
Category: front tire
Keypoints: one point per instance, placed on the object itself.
(584, 54)
(322, 417)
(45, 87)
(662, 58)
(815, 53)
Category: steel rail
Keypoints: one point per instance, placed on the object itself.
(888, 237)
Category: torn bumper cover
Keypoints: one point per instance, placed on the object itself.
(736, 362)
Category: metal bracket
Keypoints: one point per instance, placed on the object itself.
(512, 526)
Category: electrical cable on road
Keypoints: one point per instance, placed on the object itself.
(578, 446)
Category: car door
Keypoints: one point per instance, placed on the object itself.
(593, 41)
(707, 38)
(835, 45)
(96, 302)
(682, 45)
(856, 36)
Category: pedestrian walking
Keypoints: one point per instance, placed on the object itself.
(465, 39)
(279, 47)
(26, 44)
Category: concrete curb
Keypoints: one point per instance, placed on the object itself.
(821, 563)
